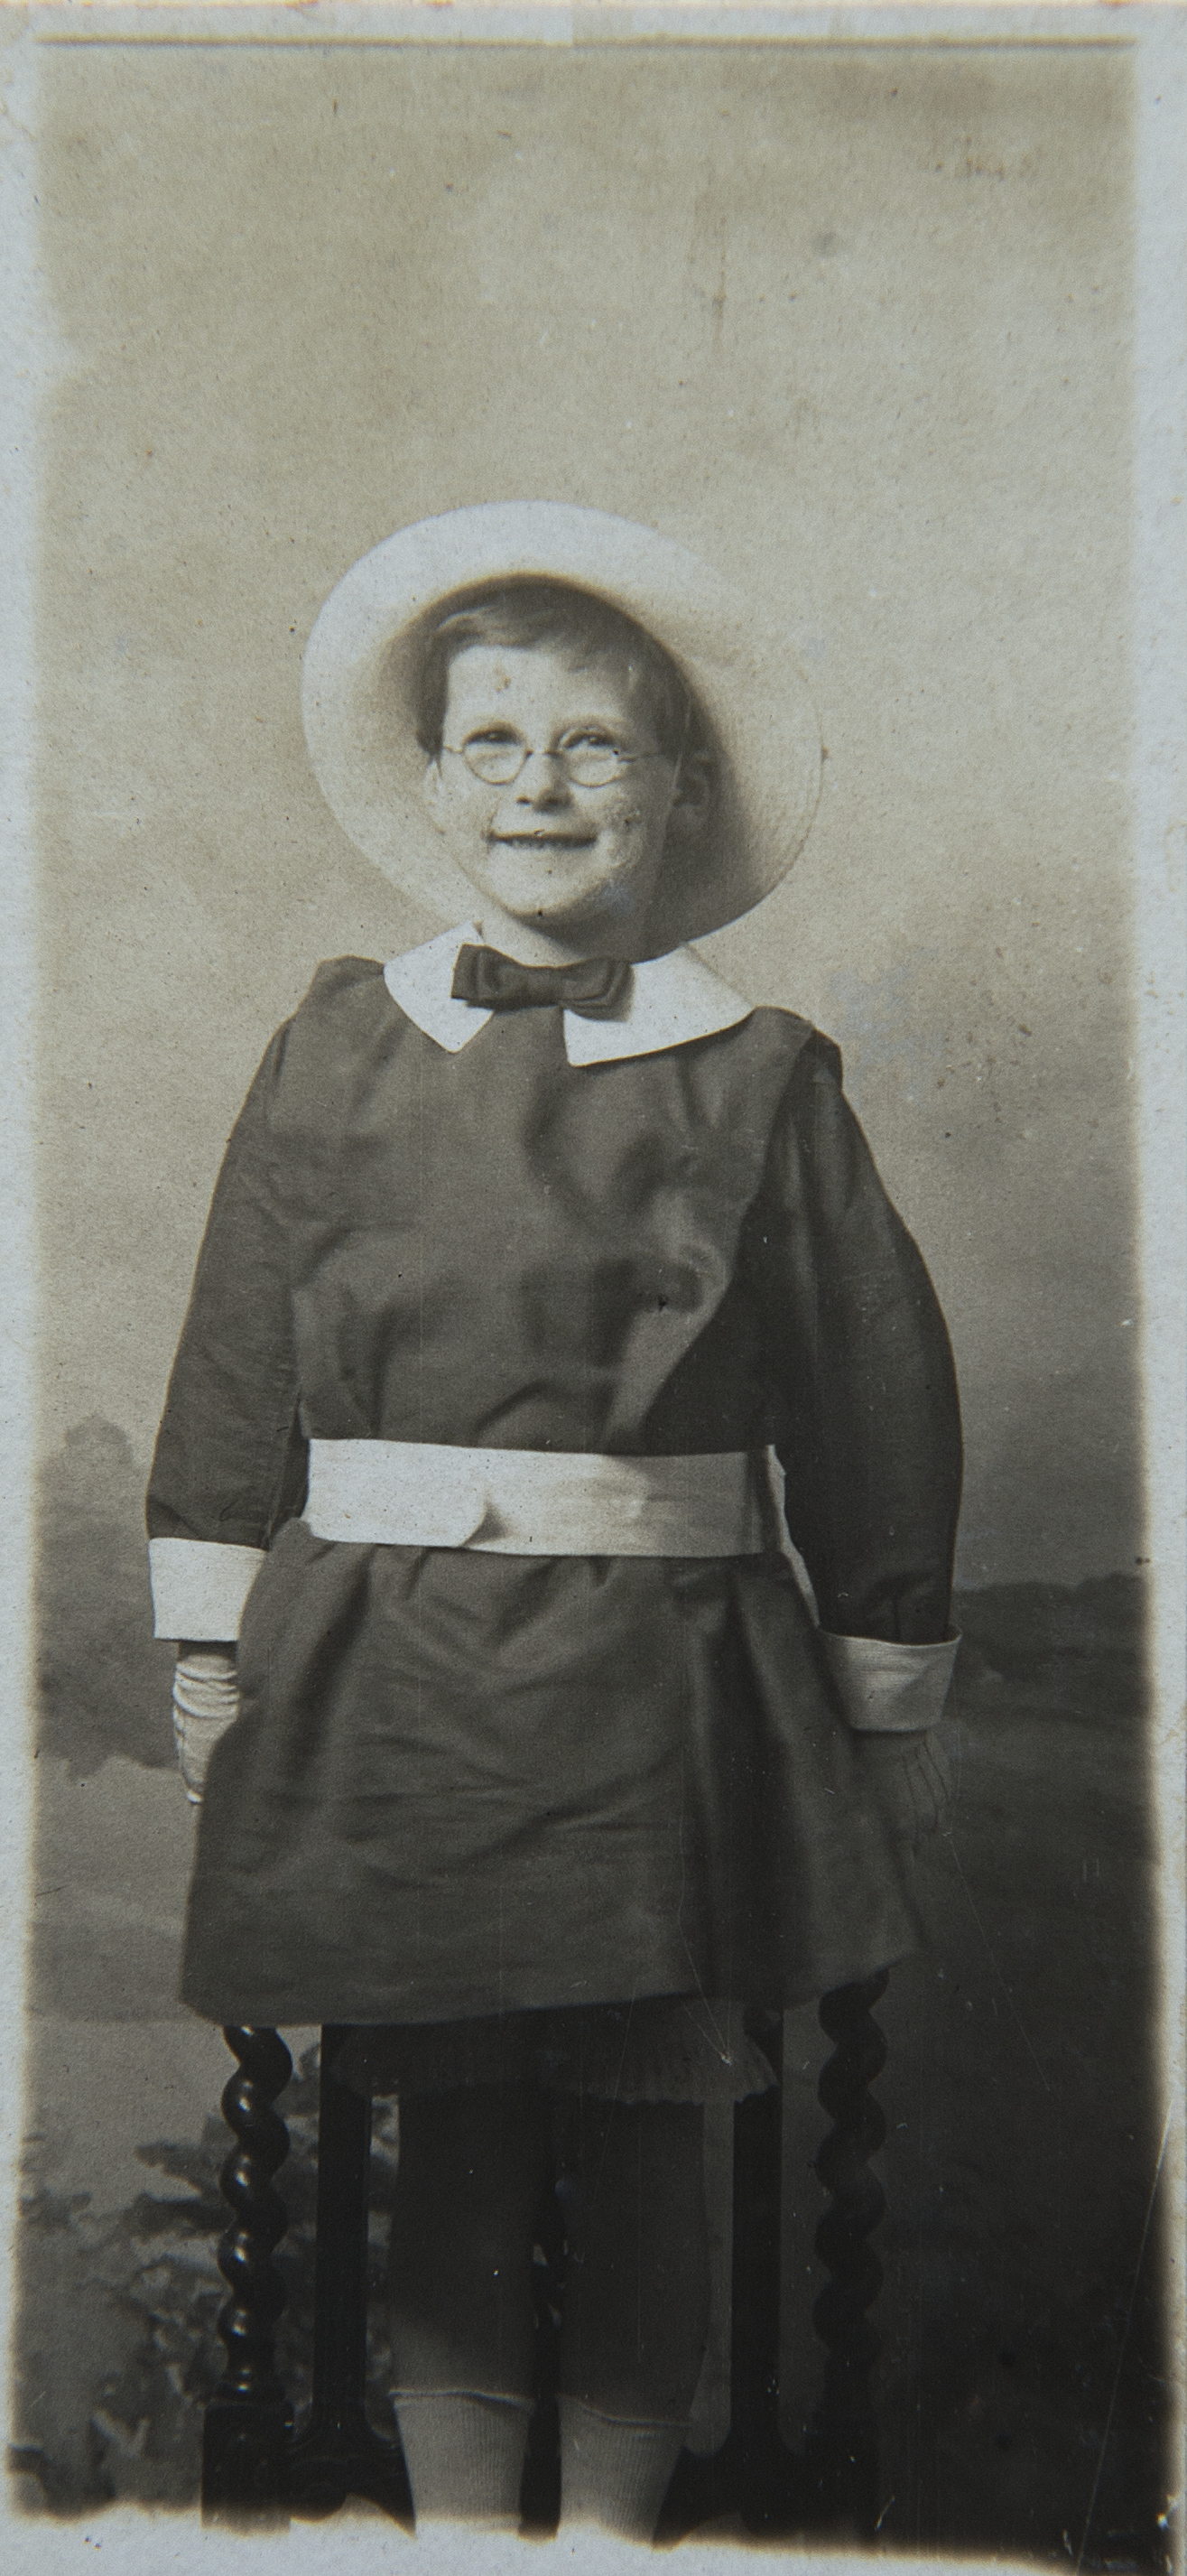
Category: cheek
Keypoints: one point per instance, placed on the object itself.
(635, 821)
(470, 819)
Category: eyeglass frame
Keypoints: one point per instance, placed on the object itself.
(625, 759)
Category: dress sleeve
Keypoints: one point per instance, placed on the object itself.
(867, 1421)
(230, 1463)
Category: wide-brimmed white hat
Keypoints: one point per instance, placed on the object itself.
(364, 658)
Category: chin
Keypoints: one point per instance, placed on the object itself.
(543, 904)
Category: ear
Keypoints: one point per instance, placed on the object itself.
(693, 799)
(432, 788)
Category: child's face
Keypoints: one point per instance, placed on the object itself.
(573, 863)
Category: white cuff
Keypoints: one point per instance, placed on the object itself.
(199, 1587)
(887, 1689)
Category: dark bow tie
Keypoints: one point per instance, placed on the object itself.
(596, 987)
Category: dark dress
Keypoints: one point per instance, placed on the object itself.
(467, 1783)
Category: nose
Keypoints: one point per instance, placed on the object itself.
(543, 780)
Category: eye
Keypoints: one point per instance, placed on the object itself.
(492, 733)
(591, 737)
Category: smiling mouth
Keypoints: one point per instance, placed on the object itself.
(543, 840)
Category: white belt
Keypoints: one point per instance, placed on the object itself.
(536, 1502)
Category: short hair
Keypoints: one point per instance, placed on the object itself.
(516, 614)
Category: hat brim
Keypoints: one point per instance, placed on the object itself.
(362, 672)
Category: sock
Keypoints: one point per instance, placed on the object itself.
(464, 2454)
(614, 2473)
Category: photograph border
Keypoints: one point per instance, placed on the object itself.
(1157, 39)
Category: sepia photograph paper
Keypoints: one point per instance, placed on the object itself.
(593, 1283)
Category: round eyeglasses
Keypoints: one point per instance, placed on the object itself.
(587, 764)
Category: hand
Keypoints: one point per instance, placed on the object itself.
(912, 1775)
(205, 1704)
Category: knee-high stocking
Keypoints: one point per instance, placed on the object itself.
(636, 2309)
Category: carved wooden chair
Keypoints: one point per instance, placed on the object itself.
(256, 2465)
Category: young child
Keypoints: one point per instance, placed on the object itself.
(541, 1756)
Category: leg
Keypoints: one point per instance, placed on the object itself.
(636, 2309)
(471, 2172)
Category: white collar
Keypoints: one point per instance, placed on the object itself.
(670, 1000)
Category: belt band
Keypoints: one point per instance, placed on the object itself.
(536, 1502)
